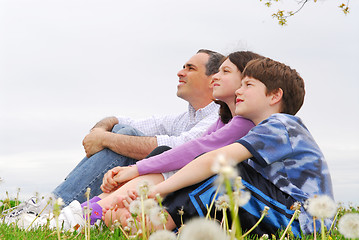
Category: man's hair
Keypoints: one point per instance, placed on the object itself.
(215, 60)
(275, 75)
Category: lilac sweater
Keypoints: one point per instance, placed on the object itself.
(217, 136)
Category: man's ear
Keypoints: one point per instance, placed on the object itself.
(277, 95)
(211, 81)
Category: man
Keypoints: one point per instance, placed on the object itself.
(122, 141)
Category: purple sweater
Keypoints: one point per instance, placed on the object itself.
(217, 136)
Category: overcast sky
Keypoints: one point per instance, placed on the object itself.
(65, 64)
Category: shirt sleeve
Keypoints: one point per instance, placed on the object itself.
(152, 126)
(268, 142)
(196, 131)
(178, 157)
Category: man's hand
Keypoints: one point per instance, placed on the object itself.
(93, 141)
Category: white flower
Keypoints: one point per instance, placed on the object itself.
(163, 235)
(238, 184)
(157, 216)
(321, 207)
(222, 202)
(241, 197)
(148, 204)
(143, 188)
(349, 225)
(224, 168)
(200, 228)
(59, 202)
(135, 207)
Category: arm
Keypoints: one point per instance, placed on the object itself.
(106, 123)
(200, 168)
(178, 157)
(136, 147)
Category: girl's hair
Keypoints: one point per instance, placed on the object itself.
(240, 59)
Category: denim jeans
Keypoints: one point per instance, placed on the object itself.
(90, 171)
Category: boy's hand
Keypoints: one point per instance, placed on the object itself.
(108, 183)
(126, 174)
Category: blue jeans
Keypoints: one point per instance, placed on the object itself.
(90, 171)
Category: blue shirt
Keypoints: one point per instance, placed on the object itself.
(285, 153)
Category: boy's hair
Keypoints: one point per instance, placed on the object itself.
(275, 75)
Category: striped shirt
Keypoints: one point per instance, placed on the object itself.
(174, 130)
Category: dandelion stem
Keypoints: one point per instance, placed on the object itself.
(213, 200)
(290, 223)
(48, 202)
(143, 218)
(323, 230)
(335, 218)
(265, 211)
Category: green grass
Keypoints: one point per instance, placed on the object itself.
(13, 232)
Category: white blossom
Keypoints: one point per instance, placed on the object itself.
(157, 216)
(200, 228)
(321, 206)
(135, 207)
(222, 202)
(143, 188)
(349, 225)
(163, 235)
(241, 197)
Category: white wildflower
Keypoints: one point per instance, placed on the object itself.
(349, 225)
(238, 184)
(222, 202)
(135, 207)
(157, 216)
(163, 235)
(148, 204)
(200, 228)
(224, 168)
(321, 207)
(143, 188)
(241, 197)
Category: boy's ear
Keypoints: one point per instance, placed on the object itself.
(277, 96)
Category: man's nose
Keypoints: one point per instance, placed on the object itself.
(181, 73)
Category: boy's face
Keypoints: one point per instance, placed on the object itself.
(252, 102)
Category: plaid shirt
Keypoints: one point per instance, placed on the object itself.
(174, 130)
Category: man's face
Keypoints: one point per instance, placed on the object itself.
(193, 81)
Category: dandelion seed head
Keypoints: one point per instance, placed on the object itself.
(149, 204)
(238, 184)
(163, 235)
(222, 203)
(348, 225)
(143, 188)
(241, 197)
(321, 207)
(154, 215)
(135, 207)
(201, 228)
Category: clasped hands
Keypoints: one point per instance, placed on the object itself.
(117, 176)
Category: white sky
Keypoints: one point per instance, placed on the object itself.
(65, 64)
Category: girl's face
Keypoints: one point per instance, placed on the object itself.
(226, 82)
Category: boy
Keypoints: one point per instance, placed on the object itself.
(278, 160)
